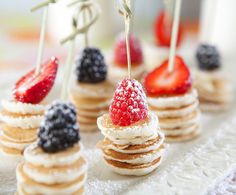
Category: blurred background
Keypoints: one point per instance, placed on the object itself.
(202, 20)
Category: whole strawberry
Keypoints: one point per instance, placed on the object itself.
(120, 53)
(129, 104)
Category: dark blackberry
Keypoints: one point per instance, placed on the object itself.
(90, 66)
(208, 57)
(59, 129)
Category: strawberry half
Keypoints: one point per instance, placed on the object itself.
(33, 88)
(161, 82)
(163, 30)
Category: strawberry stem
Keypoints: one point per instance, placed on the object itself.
(174, 34)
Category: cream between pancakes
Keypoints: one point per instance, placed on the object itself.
(19, 126)
(215, 91)
(91, 100)
(55, 173)
(133, 150)
(179, 116)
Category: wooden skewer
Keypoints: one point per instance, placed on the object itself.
(42, 40)
(175, 29)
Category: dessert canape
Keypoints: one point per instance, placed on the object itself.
(175, 102)
(55, 164)
(215, 91)
(133, 144)
(22, 116)
(118, 66)
(91, 91)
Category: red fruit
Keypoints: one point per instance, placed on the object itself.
(163, 30)
(129, 103)
(120, 54)
(33, 88)
(161, 82)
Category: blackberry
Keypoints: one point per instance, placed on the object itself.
(59, 129)
(90, 66)
(208, 57)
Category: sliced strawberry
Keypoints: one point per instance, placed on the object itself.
(120, 54)
(33, 88)
(163, 28)
(161, 82)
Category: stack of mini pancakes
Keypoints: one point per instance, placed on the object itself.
(132, 150)
(215, 92)
(178, 115)
(19, 127)
(57, 173)
(91, 101)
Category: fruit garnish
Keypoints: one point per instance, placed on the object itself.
(208, 57)
(163, 29)
(129, 104)
(59, 130)
(161, 82)
(91, 67)
(33, 88)
(120, 53)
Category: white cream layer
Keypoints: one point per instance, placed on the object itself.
(180, 131)
(55, 177)
(180, 122)
(49, 160)
(147, 129)
(37, 188)
(145, 149)
(173, 102)
(28, 122)
(177, 112)
(22, 108)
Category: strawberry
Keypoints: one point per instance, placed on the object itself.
(120, 54)
(163, 28)
(33, 88)
(129, 104)
(161, 82)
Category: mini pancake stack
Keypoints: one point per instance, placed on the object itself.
(91, 101)
(172, 98)
(215, 92)
(133, 144)
(178, 115)
(132, 150)
(58, 173)
(90, 91)
(55, 164)
(19, 127)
